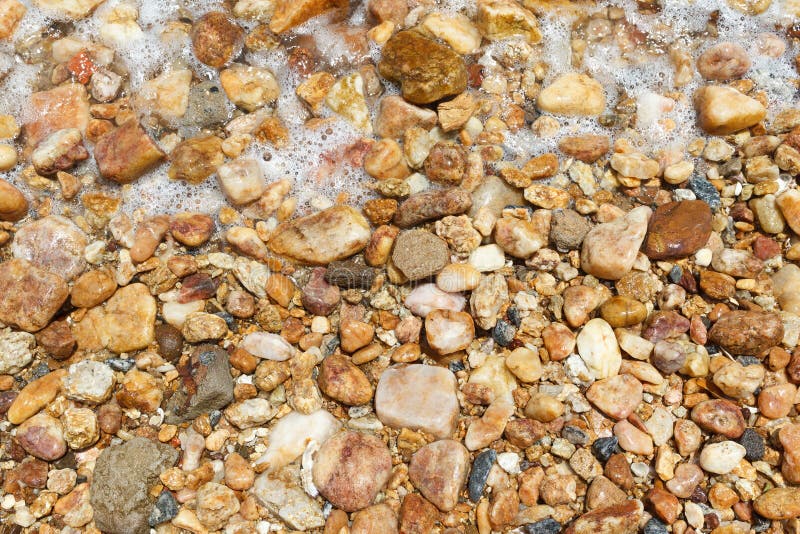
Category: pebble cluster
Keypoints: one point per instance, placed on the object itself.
(598, 338)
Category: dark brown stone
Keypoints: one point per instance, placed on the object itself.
(57, 340)
(677, 230)
(216, 39)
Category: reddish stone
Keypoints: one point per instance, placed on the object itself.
(677, 230)
(765, 248)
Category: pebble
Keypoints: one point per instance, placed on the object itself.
(349, 275)
(738, 381)
(687, 477)
(165, 508)
(779, 503)
(92, 288)
(545, 526)
(609, 249)
(619, 311)
(32, 295)
(15, 351)
(13, 204)
(318, 296)
(216, 39)
(42, 436)
(784, 282)
(598, 348)
(439, 471)
(425, 298)
(482, 432)
(291, 434)
(722, 110)
(622, 517)
(351, 468)
(721, 458)
(35, 396)
(428, 205)
(341, 380)
(481, 466)
(704, 191)
(632, 439)
(419, 397)
(447, 331)
(753, 444)
(201, 326)
(267, 346)
(420, 254)
(329, 235)
(89, 381)
(36, 242)
(677, 230)
(617, 396)
(487, 299)
(604, 447)
(789, 438)
(573, 95)
(524, 363)
(426, 70)
(747, 332)
(215, 505)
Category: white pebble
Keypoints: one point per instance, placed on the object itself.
(721, 458)
(509, 461)
(703, 257)
(487, 258)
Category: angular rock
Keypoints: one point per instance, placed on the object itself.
(418, 397)
(609, 249)
(291, 13)
(282, 493)
(126, 153)
(617, 519)
(395, 116)
(207, 385)
(65, 106)
(426, 70)
(216, 39)
(723, 110)
(292, 433)
(677, 230)
(126, 322)
(122, 479)
(332, 234)
(439, 471)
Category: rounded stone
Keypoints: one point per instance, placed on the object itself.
(420, 254)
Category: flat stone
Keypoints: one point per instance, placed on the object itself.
(126, 322)
(618, 518)
(439, 471)
(427, 71)
(779, 503)
(418, 397)
(31, 295)
(720, 417)
(573, 94)
(332, 234)
(420, 254)
(122, 478)
(677, 230)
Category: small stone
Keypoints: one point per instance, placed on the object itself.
(170, 342)
(419, 397)
(617, 396)
(573, 94)
(632, 439)
(490, 426)
(448, 331)
(753, 444)
(201, 326)
(619, 311)
(15, 351)
(618, 518)
(350, 275)
(665, 505)
(609, 249)
(524, 363)
(687, 477)
(545, 526)
(618, 470)
(480, 473)
(208, 386)
(80, 428)
(603, 448)
(598, 348)
(568, 229)
(439, 471)
(341, 380)
(737, 381)
(351, 468)
(789, 438)
(720, 417)
(125, 154)
(487, 298)
(723, 61)
(420, 254)
(677, 230)
(634, 165)
(427, 71)
(721, 458)
(332, 234)
(722, 110)
(291, 13)
(35, 396)
(215, 504)
(89, 381)
(140, 390)
(375, 518)
(428, 205)
(747, 332)
(42, 436)
(165, 508)
(396, 116)
(417, 515)
(779, 503)
(216, 39)
(319, 297)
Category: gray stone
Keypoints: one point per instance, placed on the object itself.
(282, 494)
(123, 475)
(212, 388)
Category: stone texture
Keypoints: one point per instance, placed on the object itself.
(420, 254)
(207, 385)
(747, 332)
(609, 249)
(31, 295)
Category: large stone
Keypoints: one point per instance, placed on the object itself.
(54, 243)
(31, 295)
(779, 503)
(677, 230)
(65, 106)
(439, 471)
(427, 71)
(419, 397)
(747, 332)
(351, 468)
(126, 322)
(207, 385)
(126, 153)
(123, 476)
(609, 249)
(723, 110)
(332, 234)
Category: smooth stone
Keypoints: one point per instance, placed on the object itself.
(721, 458)
(598, 348)
(419, 397)
(720, 417)
(723, 110)
(617, 396)
(439, 471)
(31, 295)
(573, 94)
(747, 332)
(292, 433)
(677, 230)
(779, 503)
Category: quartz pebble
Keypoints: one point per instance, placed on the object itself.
(609, 249)
(439, 471)
(598, 348)
(721, 458)
(616, 396)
